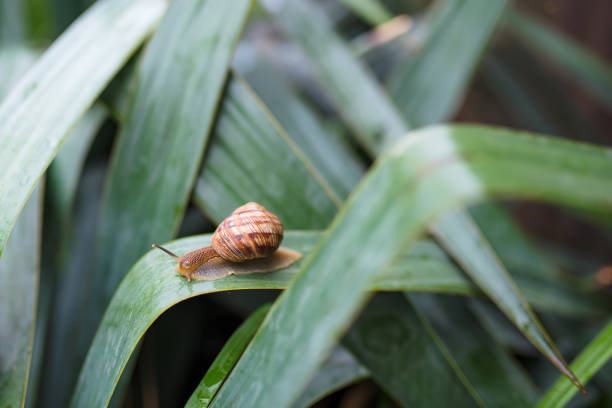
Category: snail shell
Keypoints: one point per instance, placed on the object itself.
(245, 242)
(250, 232)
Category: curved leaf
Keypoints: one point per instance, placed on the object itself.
(14, 62)
(424, 88)
(72, 288)
(12, 30)
(422, 177)
(588, 69)
(425, 267)
(242, 164)
(338, 371)
(225, 360)
(178, 84)
(484, 363)
(19, 277)
(339, 71)
(65, 170)
(337, 67)
(591, 359)
(371, 11)
(42, 108)
(389, 339)
(336, 161)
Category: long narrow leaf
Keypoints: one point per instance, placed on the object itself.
(429, 164)
(301, 22)
(585, 67)
(19, 276)
(336, 162)
(243, 164)
(72, 288)
(65, 170)
(490, 275)
(178, 85)
(157, 288)
(590, 360)
(40, 111)
(519, 253)
(14, 62)
(389, 339)
(483, 362)
(424, 268)
(337, 68)
(63, 176)
(225, 360)
(12, 22)
(427, 174)
(371, 11)
(516, 96)
(153, 169)
(338, 371)
(424, 88)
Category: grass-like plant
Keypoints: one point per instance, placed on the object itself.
(149, 121)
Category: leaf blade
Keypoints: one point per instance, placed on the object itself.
(18, 301)
(231, 351)
(590, 360)
(178, 85)
(340, 78)
(586, 68)
(102, 39)
(247, 142)
(423, 88)
(338, 371)
(396, 217)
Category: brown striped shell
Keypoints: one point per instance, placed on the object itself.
(250, 232)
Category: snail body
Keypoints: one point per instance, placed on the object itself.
(245, 242)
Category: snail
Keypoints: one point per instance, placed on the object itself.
(245, 242)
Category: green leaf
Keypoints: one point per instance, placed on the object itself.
(72, 291)
(43, 107)
(424, 88)
(179, 82)
(339, 79)
(590, 360)
(425, 175)
(338, 371)
(516, 96)
(424, 267)
(12, 21)
(489, 274)
(14, 62)
(19, 276)
(42, 24)
(65, 170)
(485, 364)
(389, 339)
(524, 90)
(336, 162)
(242, 164)
(63, 176)
(500, 328)
(371, 11)
(366, 108)
(590, 71)
(518, 251)
(225, 360)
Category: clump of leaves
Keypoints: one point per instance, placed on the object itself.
(346, 141)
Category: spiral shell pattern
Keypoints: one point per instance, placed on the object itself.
(250, 232)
